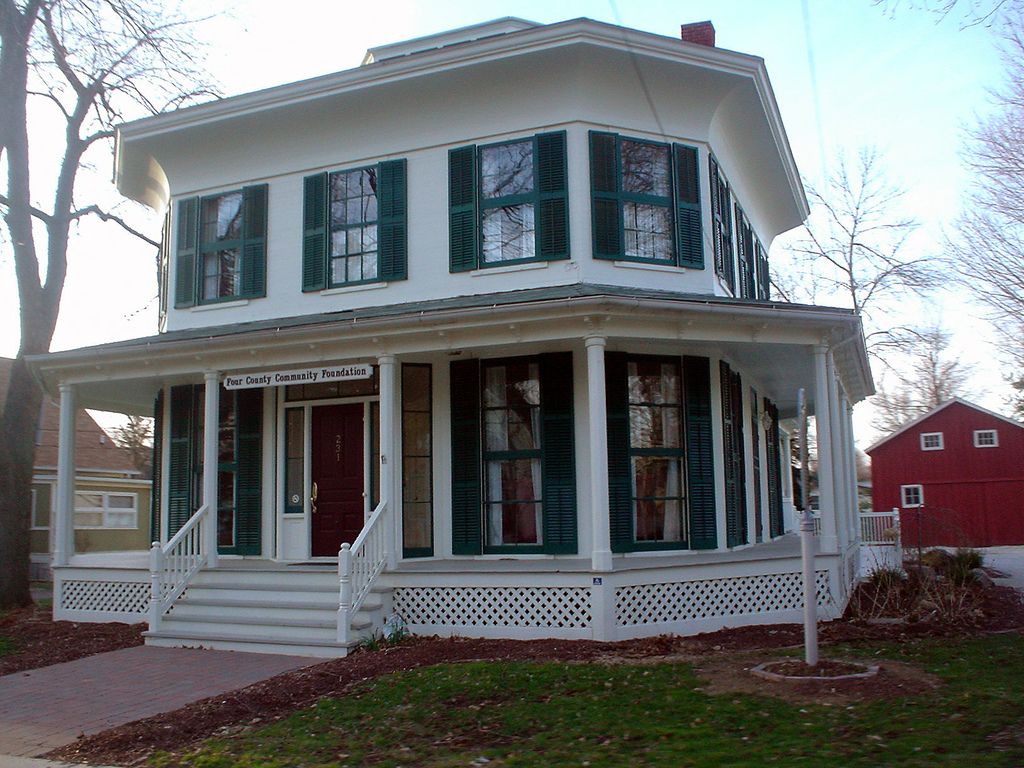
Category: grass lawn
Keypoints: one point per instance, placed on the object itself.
(523, 714)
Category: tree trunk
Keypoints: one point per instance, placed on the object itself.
(18, 427)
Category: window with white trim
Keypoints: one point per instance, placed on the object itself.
(911, 496)
(99, 509)
(932, 441)
(986, 438)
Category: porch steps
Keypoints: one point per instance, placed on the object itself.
(286, 610)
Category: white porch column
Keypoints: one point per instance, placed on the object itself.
(211, 435)
(841, 498)
(601, 552)
(64, 509)
(823, 428)
(851, 470)
(389, 453)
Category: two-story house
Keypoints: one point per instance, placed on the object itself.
(956, 474)
(477, 334)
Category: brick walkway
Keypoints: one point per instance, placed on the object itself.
(43, 709)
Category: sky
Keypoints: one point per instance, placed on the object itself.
(846, 74)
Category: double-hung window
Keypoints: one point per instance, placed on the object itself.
(645, 201)
(508, 203)
(221, 247)
(354, 226)
(660, 452)
(513, 471)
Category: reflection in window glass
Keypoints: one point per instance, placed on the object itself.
(645, 168)
(508, 220)
(353, 226)
(221, 246)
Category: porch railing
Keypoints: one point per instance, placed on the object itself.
(173, 564)
(359, 565)
(880, 527)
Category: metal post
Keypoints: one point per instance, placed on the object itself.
(807, 546)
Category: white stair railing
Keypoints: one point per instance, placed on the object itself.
(359, 565)
(173, 564)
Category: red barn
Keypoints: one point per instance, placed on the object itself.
(957, 475)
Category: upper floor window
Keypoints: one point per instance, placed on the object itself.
(354, 226)
(932, 441)
(752, 259)
(508, 203)
(221, 247)
(986, 438)
(646, 201)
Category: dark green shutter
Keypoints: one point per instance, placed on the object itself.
(157, 473)
(392, 225)
(463, 235)
(466, 473)
(179, 470)
(604, 185)
(249, 475)
(700, 459)
(559, 465)
(735, 477)
(553, 219)
(186, 271)
(314, 232)
(776, 466)
(755, 461)
(689, 242)
(254, 246)
(620, 481)
(764, 291)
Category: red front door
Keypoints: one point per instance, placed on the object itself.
(337, 475)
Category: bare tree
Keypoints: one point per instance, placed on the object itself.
(72, 70)
(136, 437)
(986, 246)
(853, 253)
(933, 375)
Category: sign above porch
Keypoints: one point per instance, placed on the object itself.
(299, 376)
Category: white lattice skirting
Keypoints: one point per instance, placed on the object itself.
(562, 607)
(714, 598)
(103, 600)
(570, 611)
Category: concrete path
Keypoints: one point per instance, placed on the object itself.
(1008, 560)
(43, 709)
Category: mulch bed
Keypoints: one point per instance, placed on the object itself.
(45, 642)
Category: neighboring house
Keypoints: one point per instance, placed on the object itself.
(111, 495)
(483, 324)
(957, 476)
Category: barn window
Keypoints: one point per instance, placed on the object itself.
(986, 438)
(912, 495)
(931, 441)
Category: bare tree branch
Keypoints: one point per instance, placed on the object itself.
(95, 210)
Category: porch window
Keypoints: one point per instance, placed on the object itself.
(735, 463)
(417, 461)
(513, 469)
(661, 471)
(646, 201)
(239, 475)
(777, 465)
(508, 203)
(221, 247)
(354, 226)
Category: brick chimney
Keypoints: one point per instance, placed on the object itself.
(700, 32)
